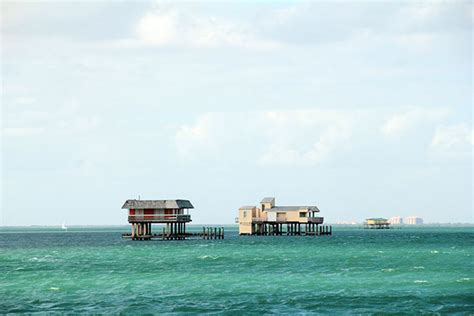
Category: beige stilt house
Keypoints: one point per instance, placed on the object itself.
(269, 219)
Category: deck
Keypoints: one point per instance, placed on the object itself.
(206, 233)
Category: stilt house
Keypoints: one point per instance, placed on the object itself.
(173, 213)
(269, 219)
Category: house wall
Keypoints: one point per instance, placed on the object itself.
(268, 205)
(271, 216)
(261, 214)
(294, 216)
(245, 220)
(155, 215)
(376, 221)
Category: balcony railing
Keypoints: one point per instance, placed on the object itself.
(160, 218)
(283, 219)
(316, 220)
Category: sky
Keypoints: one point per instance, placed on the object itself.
(361, 108)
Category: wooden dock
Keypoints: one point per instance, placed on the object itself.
(206, 233)
(290, 229)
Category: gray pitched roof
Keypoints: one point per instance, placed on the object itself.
(159, 204)
(292, 208)
(268, 200)
(247, 207)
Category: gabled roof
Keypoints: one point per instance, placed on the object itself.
(247, 207)
(268, 200)
(292, 209)
(157, 204)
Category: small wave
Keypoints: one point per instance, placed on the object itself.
(388, 270)
(19, 268)
(434, 251)
(463, 280)
(418, 267)
(206, 257)
(54, 288)
(420, 281)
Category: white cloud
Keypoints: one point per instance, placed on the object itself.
(172, 27)
(25, 100)
(192, 140)
(401, 123)
(304, 137)
(65, 120)
(420, 42)
(21, 131)
(329, 140)
(453, 139)
(158, 29)
(423, 10)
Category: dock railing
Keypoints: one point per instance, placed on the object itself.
(316, 220)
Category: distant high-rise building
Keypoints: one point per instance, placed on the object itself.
(397, 220)
(413, 220)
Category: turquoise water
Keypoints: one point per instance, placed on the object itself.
(92, 270)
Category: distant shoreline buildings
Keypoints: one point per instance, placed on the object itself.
(411, 220)
(381, 223)
(397, 220)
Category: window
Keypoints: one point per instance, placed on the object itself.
(302, 214)
(245, 214)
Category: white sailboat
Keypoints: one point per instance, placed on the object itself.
(63, 226)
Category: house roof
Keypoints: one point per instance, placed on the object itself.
(376, 219)
(247, 207)
(292, 209)
(268, 200)
(157, 204)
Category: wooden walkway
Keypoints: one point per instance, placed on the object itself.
(206, 233)
(290, 229)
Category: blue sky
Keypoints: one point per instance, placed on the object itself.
(361, 108)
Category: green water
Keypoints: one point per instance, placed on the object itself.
(92, 270)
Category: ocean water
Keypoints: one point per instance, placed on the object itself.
(92, 270)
